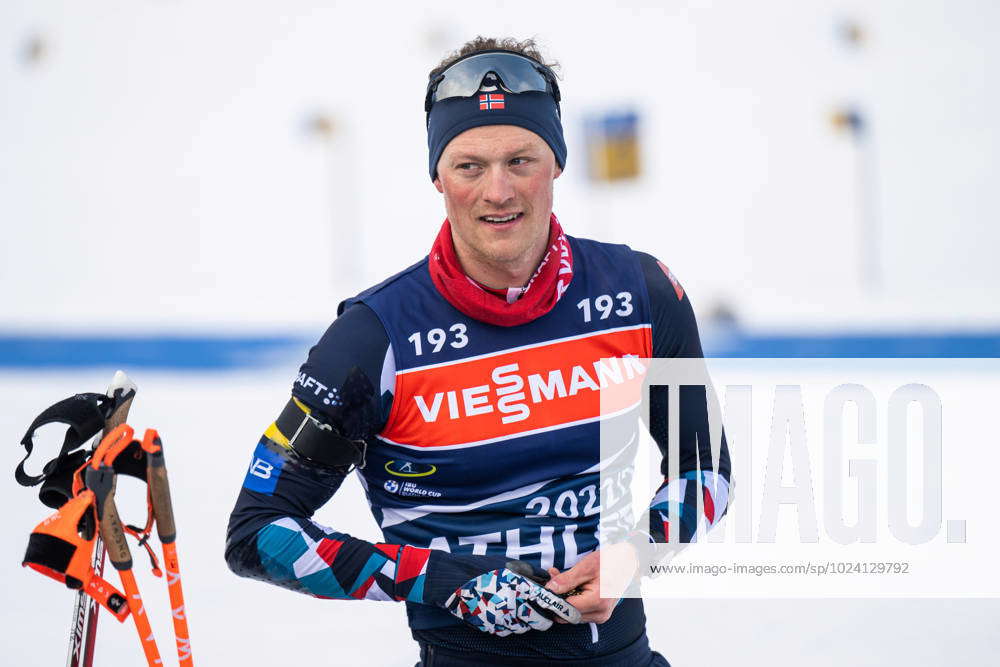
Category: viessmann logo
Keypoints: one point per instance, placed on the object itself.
(512, 393)
(409, 468)
(483, 399)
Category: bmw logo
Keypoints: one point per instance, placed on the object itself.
(391, 486)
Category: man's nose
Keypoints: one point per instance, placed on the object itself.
(499, 187)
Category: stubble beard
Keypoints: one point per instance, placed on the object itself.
(508, 255)
(524, 251)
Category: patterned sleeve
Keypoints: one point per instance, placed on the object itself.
(271, 534)
(293, 551)
(675, 334)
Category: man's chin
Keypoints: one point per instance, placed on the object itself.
(502, 255)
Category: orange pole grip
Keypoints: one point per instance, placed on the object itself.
(159, 486)
(112, 445)
(113, 533)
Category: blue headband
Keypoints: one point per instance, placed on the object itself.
(534, 111)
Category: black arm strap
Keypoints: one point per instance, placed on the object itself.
(317, 440)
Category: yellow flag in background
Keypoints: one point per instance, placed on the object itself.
(613, 146)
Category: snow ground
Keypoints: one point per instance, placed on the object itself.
(210, 423)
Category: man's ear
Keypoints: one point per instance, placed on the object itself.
(558, 173)
(437, 184)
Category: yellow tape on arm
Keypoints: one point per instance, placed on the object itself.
(274, 435)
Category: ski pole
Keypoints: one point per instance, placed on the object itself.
(83, 631)
(101, 480)
(163, 511)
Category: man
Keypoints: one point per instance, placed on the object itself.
(464, 392)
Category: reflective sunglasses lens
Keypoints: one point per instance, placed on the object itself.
(464, 78)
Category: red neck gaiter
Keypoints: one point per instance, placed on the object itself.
(547, 285)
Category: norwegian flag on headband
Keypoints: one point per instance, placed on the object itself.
(491, 101)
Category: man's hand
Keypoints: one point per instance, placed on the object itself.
(502, 602)
(493, 594)
(620, 564)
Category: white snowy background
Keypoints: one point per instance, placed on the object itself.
(172, 137)
(160, 151)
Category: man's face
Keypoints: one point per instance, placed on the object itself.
(497, 187)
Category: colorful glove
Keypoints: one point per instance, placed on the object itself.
(500, 601)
